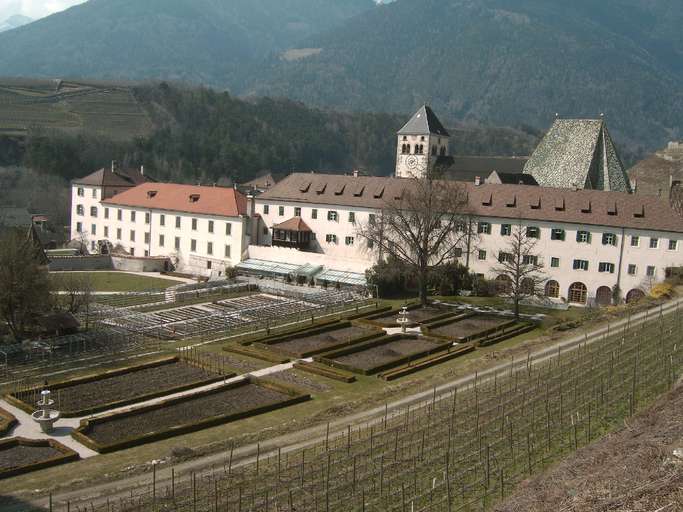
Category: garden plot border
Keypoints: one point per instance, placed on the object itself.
(81, 434)
(68, 455)
(375, 319)
(328, 358)
(427, 327)
(7, 422)
(272, 343)
(94, 378)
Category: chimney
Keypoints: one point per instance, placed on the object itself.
(477, 181)
(113, 166)
(356, 172)
(142, 170)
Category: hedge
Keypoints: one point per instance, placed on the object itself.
(328, 358)
(119, 403)
(68, 455)
(325, 371)
(427, 363)
(7, 422)
(81, 436)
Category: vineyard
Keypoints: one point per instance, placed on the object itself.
(461, 450)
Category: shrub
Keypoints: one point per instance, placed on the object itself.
(662, 291)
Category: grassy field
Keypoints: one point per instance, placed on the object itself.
(117, 281)
(101, 109)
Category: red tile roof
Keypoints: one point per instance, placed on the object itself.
(118, 178)
(224, 202)
(293, 224)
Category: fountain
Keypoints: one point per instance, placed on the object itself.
(403, 319)
(45, 416)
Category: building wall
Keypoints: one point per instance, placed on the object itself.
(425, 161)
(87, 197)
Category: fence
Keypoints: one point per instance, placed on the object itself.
(462, 450)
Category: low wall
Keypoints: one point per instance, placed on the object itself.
(133, 264)
(80, 263)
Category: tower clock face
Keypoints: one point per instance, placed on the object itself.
(411, 162)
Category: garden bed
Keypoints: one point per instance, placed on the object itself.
(97, 393)
(383, 353)
(19, 456)
(7, 422)
(467, 328)
(417, 314)
(324, 339)
(185, 414)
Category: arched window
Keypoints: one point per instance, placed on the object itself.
(604, 296)
(503, 284)
(528, 286)
(434, 150)
(552, 290)
(578, 293)
(443, 151)
(405, 149)
(634, 296)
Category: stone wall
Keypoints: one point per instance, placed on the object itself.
(80, 263)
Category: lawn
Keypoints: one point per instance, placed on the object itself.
(116, 281)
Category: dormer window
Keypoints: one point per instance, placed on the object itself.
(194, 198)
(151, 194)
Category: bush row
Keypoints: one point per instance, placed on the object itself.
(326, 371)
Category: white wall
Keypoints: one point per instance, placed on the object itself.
(91, 198)
(425, 161)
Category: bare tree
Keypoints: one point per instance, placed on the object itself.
(24, 284)
(76, 294)
(423, 223)
(519, 269)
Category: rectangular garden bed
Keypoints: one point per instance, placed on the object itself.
(7, 422)
(383, 353)
(417, 314)
(125, 386)
(322, 339)
(467, 328)
(186, 414)
(19, 456)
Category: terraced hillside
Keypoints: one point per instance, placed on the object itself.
(98, 109)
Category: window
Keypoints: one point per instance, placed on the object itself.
(331, 239)
(210, 226)
(673, 245)
(484, 228)
(352, 217)
(162, 220)
(177, 222)
(332, 216)
(651, 271)
(371, 244)
(635, 241)
(148, 238)
(93, 211)
(606, 268)
(297, 211)
(106, 213)
(81, 192)
(583, 237)
(609, 239)
(228, 229)
(632, 270)
(80, 210)
(119, 215)
(146, 253)
(162, 240)
(266, 209)
(194, 224)
(371, 219)
(132, 216)
(314, 213)
(349, 240)
(505, 257)
(118, 233)
(555, 262)
(209, 248)
(506, 229)
(265, 230)
(148, 218)
(580, 265)
(281, 211)
(530, 259)
(557, 234)
(79, 227)
(106, 231)
(654, 243)
(132, 251)
(193, 245)
(227, 251)
(482, 255)
(132, 235)
(177, 243)
(94, 193)
(457, 252)
(208, 265)
(533, 232)
(93, 230)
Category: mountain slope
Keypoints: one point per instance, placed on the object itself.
(15, 21)
(208, 41)
(502, 61)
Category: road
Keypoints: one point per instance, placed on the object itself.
(98, 494)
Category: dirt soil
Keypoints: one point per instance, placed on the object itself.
(127, 386)
(230, 401)
(634, 469)
(19, 456)
(382, 354)
(469, 326)
(322, 340)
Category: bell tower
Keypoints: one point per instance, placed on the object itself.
(420, 144)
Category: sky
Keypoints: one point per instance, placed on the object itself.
(34, 8)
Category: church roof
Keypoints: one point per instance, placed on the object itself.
(467, 168)
(578, 153)
(424, 122)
